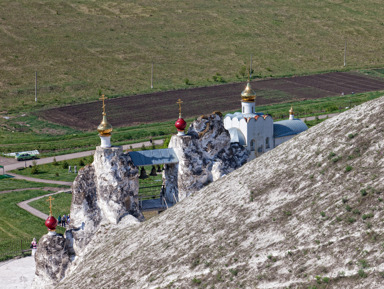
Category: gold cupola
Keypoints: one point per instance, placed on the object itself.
(291, 111)
(104, 128)
(248, 94)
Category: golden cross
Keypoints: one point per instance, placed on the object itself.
(103, 98)
(179, 102)
(50, 199)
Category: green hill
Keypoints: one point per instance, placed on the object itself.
(79, 47)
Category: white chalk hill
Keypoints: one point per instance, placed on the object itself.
(306, 214)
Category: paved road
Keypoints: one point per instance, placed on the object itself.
(16, 165)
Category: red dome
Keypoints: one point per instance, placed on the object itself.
(51, 223)
(180, 124)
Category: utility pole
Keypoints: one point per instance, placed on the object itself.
(152, 75)
(35, 86)
(345, 53)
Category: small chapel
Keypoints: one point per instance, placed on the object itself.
(257, 131)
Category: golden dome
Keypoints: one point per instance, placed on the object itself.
(104, 128)
(291, 111)
(248, 94)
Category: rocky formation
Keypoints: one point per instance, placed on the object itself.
(102, 193)
(51, 259)
(307, 214)
(205, 154)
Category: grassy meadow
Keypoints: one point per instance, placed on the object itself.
(62, 140)
(61, 204)
(18, 225)
(79, 47)
(14, 184)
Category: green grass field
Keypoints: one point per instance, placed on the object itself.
(80, 47)
(51, 144)
(55, 171)
(16, 224)
(13, 184)
(61, 204)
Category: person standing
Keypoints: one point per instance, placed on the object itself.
(59, 220)
(33, 246)
(63, 220)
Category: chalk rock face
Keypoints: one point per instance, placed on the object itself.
(102, 193)
(51, 259)
(205, 154)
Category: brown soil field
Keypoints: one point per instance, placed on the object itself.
(161, 106)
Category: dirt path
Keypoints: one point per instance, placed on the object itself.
(25, 205)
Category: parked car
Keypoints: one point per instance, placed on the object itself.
(25, 157)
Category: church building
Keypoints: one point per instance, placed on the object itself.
(257, 131)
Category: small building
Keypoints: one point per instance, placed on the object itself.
(257, 131)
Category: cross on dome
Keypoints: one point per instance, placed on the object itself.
(50, 199)
(179, 102)
(103, 98)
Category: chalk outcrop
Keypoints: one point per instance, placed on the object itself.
(205, 154)
(306, 214)
(102, 193)
(51, 259)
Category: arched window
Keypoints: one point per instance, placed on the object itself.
(267, 143)
(253, 145)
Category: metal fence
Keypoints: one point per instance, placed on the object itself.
(147, 192)
(12, 248)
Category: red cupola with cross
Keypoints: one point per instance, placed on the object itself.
(51, 222)
(180, 124)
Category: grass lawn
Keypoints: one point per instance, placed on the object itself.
(61, 204)
(13, 184)
(16, 224)
(55, 171)
(62, 143)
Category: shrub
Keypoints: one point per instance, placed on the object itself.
(65, 165)
(35, 169)
(196, 281)
(348, 169)
(322, 214)
(351, 220)
(55, 163)
(348, 208)
(362, 274)
(363, 192)
(81, 163)
(367, 216)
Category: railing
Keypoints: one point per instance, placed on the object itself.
(149, 190)
(12, 248)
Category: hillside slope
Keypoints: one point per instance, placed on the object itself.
(308, 213)
(79, 47)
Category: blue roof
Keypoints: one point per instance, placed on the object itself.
(288, 127)
(237, 136)
(154, 157)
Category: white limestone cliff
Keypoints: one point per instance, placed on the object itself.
(205, 154)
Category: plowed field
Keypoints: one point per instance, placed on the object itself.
(161, 106)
